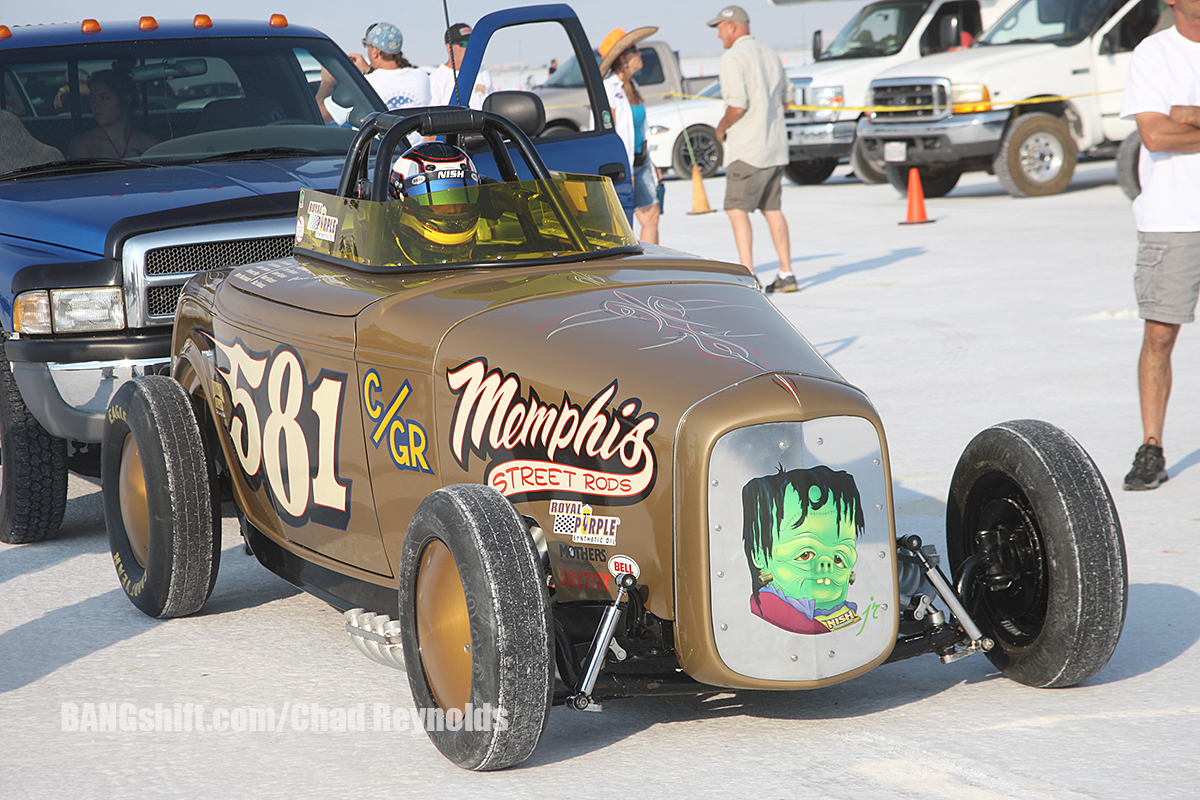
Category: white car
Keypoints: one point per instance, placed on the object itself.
(698, 117)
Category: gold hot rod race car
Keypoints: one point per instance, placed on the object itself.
(539, 463)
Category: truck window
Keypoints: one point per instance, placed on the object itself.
(197, 98)
(879, 29)
(1059, 22)
(1147, 17)
(970, 25)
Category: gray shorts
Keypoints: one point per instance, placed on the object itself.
(1167, 278)
(748, 188)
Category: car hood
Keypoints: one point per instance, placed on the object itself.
(974, 65)
(79, 211)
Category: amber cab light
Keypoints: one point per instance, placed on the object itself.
(278, 21)
(90, 26)
(5, 33)
(147, 24)
(202, 21)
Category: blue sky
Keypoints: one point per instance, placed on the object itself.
(680, 22)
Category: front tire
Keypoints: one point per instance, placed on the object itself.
(1037, 156)
(866, 170)
(33, 468)
(476, 626)
(933, 184)
(710, 153)
(811, 173)
(159, 500)
(1128, 156)
(1059, 620)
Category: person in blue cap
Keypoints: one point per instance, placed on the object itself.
(397, 81)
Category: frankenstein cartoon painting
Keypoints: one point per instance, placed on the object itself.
(799, 529)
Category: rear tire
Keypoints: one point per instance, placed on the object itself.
(710, 153)
(811, 173)
(1058, 622)
(1128, 156)
(476, 627)
(933, 184)
(1037, 156)
(160, 505)
(33, 468)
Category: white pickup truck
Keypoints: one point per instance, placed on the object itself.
(1040, 87)
(883, 34)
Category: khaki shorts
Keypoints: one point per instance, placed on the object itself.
(748, 188)
(1167, 278)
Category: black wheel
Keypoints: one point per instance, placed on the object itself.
(933, 184)
(1128, 156)
(1055, 602)
(33, 468)
(476, 627)
(556, 129)
(159, 500)
(865, 169)
(1036, 157)
(811, 173)
(710, 153)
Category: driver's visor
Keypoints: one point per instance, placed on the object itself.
(448, 196)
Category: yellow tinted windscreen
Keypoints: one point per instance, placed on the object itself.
(569, 215)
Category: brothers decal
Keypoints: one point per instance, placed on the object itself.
(799, 530)
(405, 439)
(535, 449)
(286, 431)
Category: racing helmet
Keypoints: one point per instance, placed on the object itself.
(440, 189)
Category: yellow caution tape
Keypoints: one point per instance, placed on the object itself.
(867, 109)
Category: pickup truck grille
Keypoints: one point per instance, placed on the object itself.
(157, 265)
(932, 94)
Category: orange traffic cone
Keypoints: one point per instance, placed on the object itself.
(916, 199)
(699, 198)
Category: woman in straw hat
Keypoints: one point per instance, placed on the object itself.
(620, 61)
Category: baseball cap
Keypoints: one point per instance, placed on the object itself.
(458, 33)
(729, 14)
(385, 37)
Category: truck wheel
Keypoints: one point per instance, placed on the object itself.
(1037, 156)
(710, 153)
(864, 168)
(811, 173)
(933, 184)
(159, 500)
(33, 468)
(1057, 611)
(557, 129)
(476, 627)
(1128, 156)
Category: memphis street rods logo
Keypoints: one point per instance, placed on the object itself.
(537, 449)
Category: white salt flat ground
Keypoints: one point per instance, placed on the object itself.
(1002, 308)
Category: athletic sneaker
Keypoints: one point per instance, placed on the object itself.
(783, 283)
(1149, 469)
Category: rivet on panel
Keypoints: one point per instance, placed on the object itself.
(795, 657)
(724, 627)
(877, 462)
(721, 573)
(879, 506)
(717, 528)
(831, 654)
(783, 445)
(883, 554)
(884, 607)
(820, 440)
(716, 482)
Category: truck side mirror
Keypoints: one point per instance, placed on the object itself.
(950, 32)
(816, 45)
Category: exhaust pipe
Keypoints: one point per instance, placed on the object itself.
(377, 636)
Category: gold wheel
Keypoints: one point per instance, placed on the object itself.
(135, 511)
(443, 627)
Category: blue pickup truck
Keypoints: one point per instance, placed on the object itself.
(96, 240)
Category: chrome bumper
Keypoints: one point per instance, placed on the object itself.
(957, 138)
(813, 140)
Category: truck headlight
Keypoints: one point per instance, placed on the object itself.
(827, 96)
(69, 310)
(970, 98)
